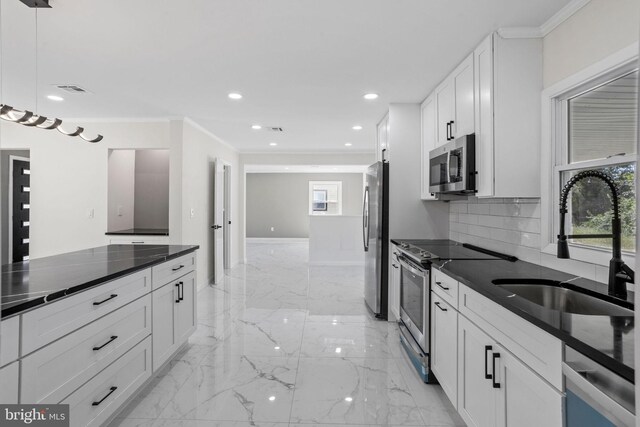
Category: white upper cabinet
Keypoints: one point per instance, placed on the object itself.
(429, 137)
(382, 143)
(507, 84)
(454, 103)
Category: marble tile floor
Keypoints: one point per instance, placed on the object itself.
(284, 344)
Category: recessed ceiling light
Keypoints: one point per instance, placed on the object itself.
(371, 96)
(234, 95)
(273, 144)
(256, 127)
(357, 127)
(348, 144)
(348, 399)
(338, 350)
(286, 170)
(55, 98)
(272, 398)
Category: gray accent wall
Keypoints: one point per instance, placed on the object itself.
(151, 208)
(281, 201)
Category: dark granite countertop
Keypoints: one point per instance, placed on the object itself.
(139, 232)
(29, 284)
(605, 339)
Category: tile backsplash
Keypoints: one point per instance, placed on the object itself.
(511, 226)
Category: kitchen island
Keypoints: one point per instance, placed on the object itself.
(91, 328)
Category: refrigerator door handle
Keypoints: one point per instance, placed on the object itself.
(365, 220)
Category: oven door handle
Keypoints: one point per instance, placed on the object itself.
(403, 262)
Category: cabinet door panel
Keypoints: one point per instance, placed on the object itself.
(477, 399)
(445, 110)
(464, 96)
(9, 380)
(483, 56)
(163, 321)
(444, 346)
(186, 308)
(525, 399)
(429, 141)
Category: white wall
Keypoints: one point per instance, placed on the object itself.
(597, 30)
(120, 188)
(200, 149)
(410, 217)
(69, 178)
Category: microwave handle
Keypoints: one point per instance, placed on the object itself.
(448, 167)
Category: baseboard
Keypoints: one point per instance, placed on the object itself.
(277, 240)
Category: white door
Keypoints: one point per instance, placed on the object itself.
(444, 346)
(163, 323)
(464, 96)
(218, 221)
(445, 110)
(186, 308)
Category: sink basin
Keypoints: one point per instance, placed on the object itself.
(564, 297)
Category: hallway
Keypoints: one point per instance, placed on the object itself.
(282, 343)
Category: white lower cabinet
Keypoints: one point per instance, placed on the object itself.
(55, 371)
(174, 317)
(444, 346)
(9, 385)
(93, 403)
(394, 283)
(497, 389)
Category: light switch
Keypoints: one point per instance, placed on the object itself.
(193, 212)
(273, 229)
(91, 213)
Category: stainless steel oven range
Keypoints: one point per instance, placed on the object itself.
(415, 270)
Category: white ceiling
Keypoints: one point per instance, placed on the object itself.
(300, 64)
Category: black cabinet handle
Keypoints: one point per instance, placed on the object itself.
(111, 390)
(440, 307)
(178, 286)
(113, 338)
(181, 291)
(487, 375)
(495, 384)
(440, 284)
(103, 301)
(177, 268)
(394, 266)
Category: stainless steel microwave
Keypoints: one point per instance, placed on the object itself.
(452, 167)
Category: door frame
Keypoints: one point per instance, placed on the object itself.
(226, 217)
(13, 158)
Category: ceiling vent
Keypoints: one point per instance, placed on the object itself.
(273, 129)
(37, 3)
(72, 88)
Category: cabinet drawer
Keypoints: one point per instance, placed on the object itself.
(173, 269)
(50, 322)
(10, 335)
(97, 400)
(538, 349)
(9, 381)
(55, 371)
(445, 287)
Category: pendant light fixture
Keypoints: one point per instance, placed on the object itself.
(29, 118)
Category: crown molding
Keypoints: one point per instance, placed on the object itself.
(520, 32)
(210, 134)
(562, 15)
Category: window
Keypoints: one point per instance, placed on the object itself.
(597, 130)
(325, 197)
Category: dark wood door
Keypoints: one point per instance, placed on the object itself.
(21, 190)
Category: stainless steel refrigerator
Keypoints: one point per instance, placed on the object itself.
(375, 237)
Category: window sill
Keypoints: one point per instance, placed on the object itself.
(592, 256)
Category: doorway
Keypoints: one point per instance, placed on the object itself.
(18, 203)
